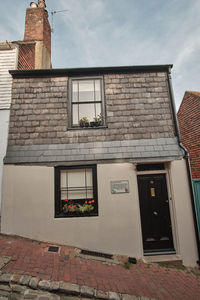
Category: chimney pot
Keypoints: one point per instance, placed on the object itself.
(41, 3)
(33, 5)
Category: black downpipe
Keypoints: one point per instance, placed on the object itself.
(186, 157)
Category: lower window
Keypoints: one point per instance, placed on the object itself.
(76, 191)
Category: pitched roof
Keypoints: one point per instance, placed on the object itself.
(194, 93)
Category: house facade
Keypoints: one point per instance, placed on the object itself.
(94, 161)
(34, 52)
(189, 123)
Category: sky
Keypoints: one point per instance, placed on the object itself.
(119, 33)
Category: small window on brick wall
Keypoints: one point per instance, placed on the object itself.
(76, 191)
(86, 98)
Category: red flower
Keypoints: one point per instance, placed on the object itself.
(85, 201)
(65, 200)
(69, 206)
(92, 201)
(74, 205)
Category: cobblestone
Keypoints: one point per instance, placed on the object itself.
(34, 282)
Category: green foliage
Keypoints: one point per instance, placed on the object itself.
(127, 265)
(69, 208)
(85, 208)
(79, 208)
(178, 267)
(84, 120)
(98, 118)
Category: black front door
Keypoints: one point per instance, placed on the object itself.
(155, 214)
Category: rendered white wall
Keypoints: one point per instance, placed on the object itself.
(28, 210)
(4, 120)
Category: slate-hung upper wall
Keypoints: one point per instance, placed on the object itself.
(137, 107)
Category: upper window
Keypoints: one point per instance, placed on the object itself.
(87, 102)
(76, 191)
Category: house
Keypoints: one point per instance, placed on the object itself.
(34, 52)
(94, 160)
(189, 123)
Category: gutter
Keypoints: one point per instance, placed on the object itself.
(88, 71)
(186, 157)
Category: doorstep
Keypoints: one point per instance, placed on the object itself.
(172, 259)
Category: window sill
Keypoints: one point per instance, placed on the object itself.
(87, 128)
(76, 215)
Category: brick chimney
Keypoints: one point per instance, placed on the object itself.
(35, 50)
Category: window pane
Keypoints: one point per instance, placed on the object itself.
(76, 178)
(89, 183)
(63, 179)
(64, 195)
(77, 194)
(74, 91)
(87, 110)
(98, 109)
(75, 119)
(97, 90)
(89, 194)
(86, 90)
(89, 177)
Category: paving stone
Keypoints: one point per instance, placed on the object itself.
(129, 297)
(87, 291)
(4, 260)
(54, 285)
(16, 278)
(114, 296)
(15, 296)
(31, 294)
(3, 298)
(18, 288)
(33, 283)
(101, 294)
(4, 293)
(24, 280)
(4, 287)
(69, 298)
(44, 297)
(69, 288)
(55, 297)
(5, 277)
(44, 285)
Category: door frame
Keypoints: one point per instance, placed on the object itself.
(165, 171)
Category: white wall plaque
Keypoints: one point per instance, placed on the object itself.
(120, 186)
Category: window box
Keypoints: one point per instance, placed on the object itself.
(76, 191)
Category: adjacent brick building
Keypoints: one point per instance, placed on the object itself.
(189, 123)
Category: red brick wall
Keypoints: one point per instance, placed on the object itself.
(37, 27)
(26, 58)
(189, 122)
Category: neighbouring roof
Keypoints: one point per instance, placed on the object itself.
(7, 45)
(194, 93)
(93, 71)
